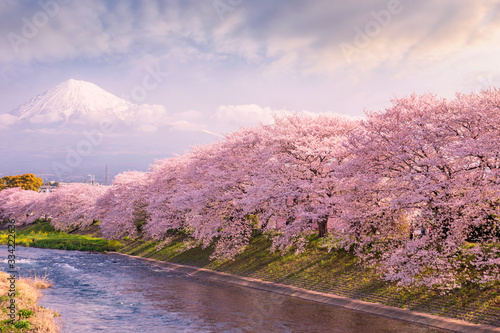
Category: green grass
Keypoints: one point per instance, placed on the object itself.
(43, 235)
(17, 326)
(26, 313)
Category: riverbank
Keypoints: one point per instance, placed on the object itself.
(344, 302)
(334, 273)
(43, 235)
(31, 316)
(316, 269)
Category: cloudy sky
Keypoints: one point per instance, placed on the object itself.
(221, 64)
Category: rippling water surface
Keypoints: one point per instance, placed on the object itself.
(110, 293)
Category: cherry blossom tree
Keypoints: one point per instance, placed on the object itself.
(219, 177)
(21, 205)
(167, 186)
(250, 178)
(73, 205)
(296, 181)
(431, 165)
(122, 207)
(198, 192)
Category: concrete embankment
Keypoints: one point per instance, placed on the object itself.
(348, 303)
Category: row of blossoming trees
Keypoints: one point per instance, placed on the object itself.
(424, 164)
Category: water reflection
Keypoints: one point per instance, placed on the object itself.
(109, 293)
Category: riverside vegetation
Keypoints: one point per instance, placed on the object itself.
(317, 268)
(45, 236)
(32, 317)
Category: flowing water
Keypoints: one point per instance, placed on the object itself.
(111, 293)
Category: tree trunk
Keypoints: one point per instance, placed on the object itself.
(322, 231)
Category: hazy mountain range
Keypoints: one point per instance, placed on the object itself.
(77, 128)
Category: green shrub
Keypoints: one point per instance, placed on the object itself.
(26, 313)
(22, 324)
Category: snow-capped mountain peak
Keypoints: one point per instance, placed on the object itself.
(73, 101)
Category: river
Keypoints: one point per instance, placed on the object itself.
(111, 293)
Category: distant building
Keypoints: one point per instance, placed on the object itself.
(46, 188)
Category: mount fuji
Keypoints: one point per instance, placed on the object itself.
(74, 101)
(78, 128)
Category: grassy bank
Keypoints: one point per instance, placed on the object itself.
(43, 235)
(31, 317)
(335, 272)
